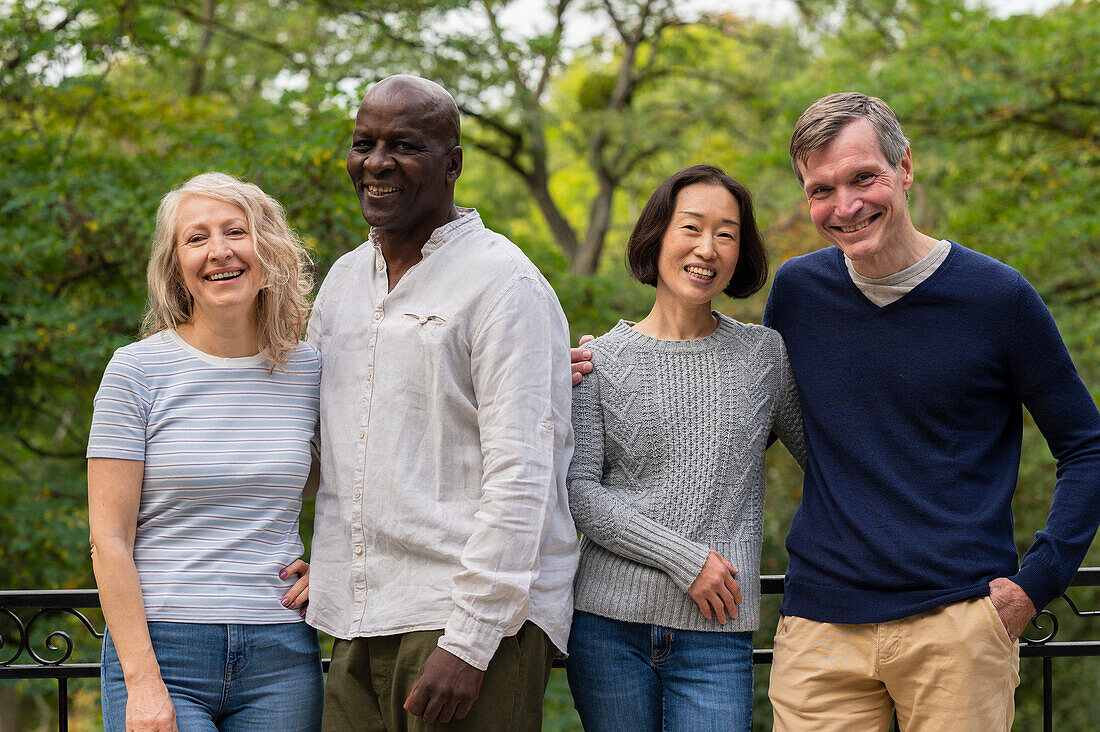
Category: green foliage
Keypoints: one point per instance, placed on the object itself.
(105, 105)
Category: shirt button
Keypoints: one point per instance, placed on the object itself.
(358, 493)
(423, 320)
(377, 315)
(358, 549)
(362, 434)
(369, 375)
(381, 266)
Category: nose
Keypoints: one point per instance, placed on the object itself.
(848, 202)
(704, 246)
(219, 247)
(378, 158)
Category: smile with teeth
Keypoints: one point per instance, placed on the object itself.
(375, 190)
(856, 227)
(705, 274)
(219, 276)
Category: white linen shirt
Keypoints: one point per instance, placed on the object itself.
(445, 440)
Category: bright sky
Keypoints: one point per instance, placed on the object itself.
(523, 15)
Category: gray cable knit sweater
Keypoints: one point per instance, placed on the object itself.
(669, 463)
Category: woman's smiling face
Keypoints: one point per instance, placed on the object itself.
(700, 247)
(217, 259)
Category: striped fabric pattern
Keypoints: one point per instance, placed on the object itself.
(226, 451)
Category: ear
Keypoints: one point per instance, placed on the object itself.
(905, 165)
(454, 164)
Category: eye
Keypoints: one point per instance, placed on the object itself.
(361, 146)
(819, 191)
(402, 147)
(195, 239)
(237, 232)
(690, 227)
(864, 177)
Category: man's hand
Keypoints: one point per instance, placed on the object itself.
(445, 689)
(581, 359)
(1013, 605)
(716, 588)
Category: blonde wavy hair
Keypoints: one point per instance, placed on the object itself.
(282, 305)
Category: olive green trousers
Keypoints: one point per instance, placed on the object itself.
(370, 678)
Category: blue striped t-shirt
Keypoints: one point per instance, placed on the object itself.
(226, 451)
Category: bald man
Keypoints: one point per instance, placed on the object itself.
(443, 551)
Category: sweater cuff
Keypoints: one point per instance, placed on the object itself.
(681, 559)
(1039, 581)
(471, 639)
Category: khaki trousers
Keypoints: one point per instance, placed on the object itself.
(951, 668)
(370, 678)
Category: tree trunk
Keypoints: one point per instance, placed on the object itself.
(599, 221)
(198, 70)
(538, 186)
(9, 710)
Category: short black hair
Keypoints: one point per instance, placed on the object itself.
(644, 247)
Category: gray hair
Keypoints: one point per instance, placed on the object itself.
(824, 119)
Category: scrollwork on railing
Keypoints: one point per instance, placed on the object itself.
(1036, 623)
(22, 630)
(1047, 615)
(58, 634)
(56, 640)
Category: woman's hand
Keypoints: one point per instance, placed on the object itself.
(298, 595)
(149, 708)
(715, 590)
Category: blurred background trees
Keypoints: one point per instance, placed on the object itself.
(573, 111)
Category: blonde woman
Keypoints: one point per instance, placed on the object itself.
(197, 461)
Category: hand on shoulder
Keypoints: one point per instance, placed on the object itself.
(581, 358)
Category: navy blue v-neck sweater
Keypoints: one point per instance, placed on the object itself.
(913, 422)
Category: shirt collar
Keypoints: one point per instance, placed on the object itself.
(467, 218)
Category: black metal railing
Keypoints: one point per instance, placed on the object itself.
(26, 611)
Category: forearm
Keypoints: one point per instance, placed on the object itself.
(124, 610)
(501, 557)
(618, 528)
(1050, 563)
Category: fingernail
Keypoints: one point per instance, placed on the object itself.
(286, 602)
(282, 575)
(588, 354)
(303, 612)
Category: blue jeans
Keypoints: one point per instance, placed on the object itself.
(632, 676)
(231, 678)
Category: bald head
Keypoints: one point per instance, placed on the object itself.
(405, 159)
(433, 101)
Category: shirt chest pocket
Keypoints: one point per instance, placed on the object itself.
(431, 328)
(423, 346)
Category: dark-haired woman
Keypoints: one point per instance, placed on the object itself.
(667, 481)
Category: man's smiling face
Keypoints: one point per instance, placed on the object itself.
(402, 161)
(856, 197)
